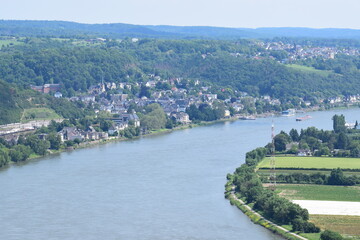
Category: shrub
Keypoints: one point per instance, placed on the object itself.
(303, 226)
(330, 235)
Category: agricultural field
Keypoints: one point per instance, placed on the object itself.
(319, 192)
(312, 163)
(38, 114)
(346, 225)
(266, 172)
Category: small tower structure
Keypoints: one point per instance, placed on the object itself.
(102, 85)
(272, 159)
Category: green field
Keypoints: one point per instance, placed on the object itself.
(302, 68)
(266, 172)
(9, 42)
(319, 192)
(347, 225)
(39, 114)
(312, 162)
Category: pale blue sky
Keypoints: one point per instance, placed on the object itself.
(224, 13)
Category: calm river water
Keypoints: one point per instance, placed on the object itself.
(156, 188)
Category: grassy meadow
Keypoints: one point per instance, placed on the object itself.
(302, 68)
(267, 172)
(346, 225)
(319, 192)
(39, 114)
(312, 162)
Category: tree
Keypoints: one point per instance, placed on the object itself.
(293, 150)
(294, 135)
(170, 123)
(337, 178)
(280, 142)
(355, 152)
(55, 141)
(232, 111)
(4, 157)
(339, 123)
(38, 146)
(20, 153)
(323, 150)
(42, 147)
(145, 92)
(105, 125)
(342, 141)
(154, 118)
(313, 143)
(303, 145)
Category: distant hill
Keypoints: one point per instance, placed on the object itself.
(69, 29)
(120, 30)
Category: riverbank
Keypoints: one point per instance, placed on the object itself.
(165, 131)
(120, 139)
(256, 218)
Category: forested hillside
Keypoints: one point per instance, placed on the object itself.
(15, 100)
(77, 65)
(9, 106)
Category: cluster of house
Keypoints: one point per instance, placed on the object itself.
(342, 99)
(123, 121)
(296, 52)
(118, 123)
(72, 133)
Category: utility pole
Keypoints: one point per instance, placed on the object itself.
(272, 160)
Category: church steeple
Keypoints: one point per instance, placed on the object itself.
(102, 85)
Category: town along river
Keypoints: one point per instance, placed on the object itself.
(169, 186)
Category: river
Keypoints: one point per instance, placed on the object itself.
(161, 187)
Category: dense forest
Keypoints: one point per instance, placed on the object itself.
(78, 66)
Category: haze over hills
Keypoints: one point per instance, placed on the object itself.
(67, 29)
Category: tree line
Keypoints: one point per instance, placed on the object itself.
(341, 142)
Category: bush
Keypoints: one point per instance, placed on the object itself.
(4, 157)
(303, 226)
(69, 143)
(20, 153)
(330, 235)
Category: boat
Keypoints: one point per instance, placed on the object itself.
(288, 113)
(247, 118)
(303, 118)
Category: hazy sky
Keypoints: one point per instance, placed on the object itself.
(225, 13)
